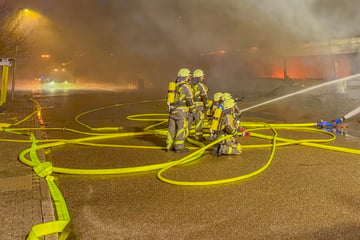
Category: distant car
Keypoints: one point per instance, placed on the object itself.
(58, 79)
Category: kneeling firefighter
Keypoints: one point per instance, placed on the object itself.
(228, 127)
(200, 91)
(180, 102)
(237, 111)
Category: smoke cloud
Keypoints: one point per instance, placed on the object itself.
(117, 41)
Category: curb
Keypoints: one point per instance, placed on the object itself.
(47, 208)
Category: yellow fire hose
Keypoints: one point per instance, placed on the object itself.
(45, 169)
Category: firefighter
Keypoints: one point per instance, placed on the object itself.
(180, 103)
(228, 127)
(237, 112)
(200, 91)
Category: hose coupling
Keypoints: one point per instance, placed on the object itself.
(324, 124)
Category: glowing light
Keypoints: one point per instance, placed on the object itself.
(221, 52)
(30, 13)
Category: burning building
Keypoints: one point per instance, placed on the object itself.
(323, 60)
(318, 61)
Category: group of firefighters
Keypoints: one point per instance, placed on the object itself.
(188, 104)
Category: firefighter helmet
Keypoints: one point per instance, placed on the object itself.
(198, 73)
(229, 103)
(226, 96)
(184, 72)
(217, 96)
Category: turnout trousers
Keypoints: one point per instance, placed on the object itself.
(178, 129)
(197, 117)
(229, 146)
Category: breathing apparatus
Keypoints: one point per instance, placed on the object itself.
(171, 94)
(215, 123)
(182, 75)
(208, 108)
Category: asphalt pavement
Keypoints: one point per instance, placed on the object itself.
(306, 193)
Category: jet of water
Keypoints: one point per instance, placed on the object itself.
(302, 91)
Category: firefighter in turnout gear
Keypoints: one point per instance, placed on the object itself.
(180, 103)
(228, 127)
(200, 91)
(237, 111)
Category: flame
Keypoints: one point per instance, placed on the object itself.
(308, 67)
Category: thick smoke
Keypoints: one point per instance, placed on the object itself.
(116, 41)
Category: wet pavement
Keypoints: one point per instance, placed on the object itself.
(306, 193)
(24, 197)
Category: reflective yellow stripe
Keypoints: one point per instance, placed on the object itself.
(229, 150)
(184, 108)
(198, 124)
(238, 147)
(180, 132)
(169, 141)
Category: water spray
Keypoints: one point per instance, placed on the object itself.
(324, 125)
(303, 91)
(347, 116)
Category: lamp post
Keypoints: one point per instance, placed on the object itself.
(5, 63)
(13, 76)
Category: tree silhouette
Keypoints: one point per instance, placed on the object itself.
(13, 36)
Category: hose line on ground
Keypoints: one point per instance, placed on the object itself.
(46, 169)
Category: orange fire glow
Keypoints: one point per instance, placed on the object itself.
(309, 67)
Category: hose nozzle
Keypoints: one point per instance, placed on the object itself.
(338, 120)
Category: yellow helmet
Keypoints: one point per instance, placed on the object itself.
(229, 103)
(226, 96)
(184, 72)
(198, 73)
(217, 96)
